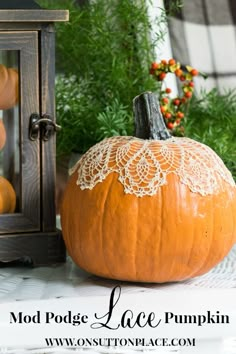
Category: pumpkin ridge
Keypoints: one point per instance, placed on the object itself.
(211, 232)
(159, 202)
(161, 227)
(65, 221)
(83, 258)
(152, 244)
(224, 250)
(176, 242)
(102, 233)
(136, 242)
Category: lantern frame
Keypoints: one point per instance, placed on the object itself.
(31, 232)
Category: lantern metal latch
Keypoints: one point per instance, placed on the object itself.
(44, 125)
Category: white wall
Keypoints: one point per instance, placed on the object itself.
(163, 50)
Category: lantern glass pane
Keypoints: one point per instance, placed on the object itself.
(10, 127)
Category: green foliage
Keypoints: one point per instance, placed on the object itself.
(104, 52)
(212, 121)
(75, 110)
(115, 120)
(77, 113)
(106, 46)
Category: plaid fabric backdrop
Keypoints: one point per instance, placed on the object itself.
(203, 35)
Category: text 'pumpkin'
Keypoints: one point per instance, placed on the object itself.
(150, 208)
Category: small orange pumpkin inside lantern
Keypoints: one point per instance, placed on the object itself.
(7, 197)
(2, 134)
(7, 193)
(8, 87)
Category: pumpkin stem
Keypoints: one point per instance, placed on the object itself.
(149, 122)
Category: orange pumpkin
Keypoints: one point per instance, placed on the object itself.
(8, 87)
(2, 134)
(7, 197)
(149, 210)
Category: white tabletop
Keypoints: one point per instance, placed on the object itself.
(66, 282)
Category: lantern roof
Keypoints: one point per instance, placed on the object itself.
(29, 11)
(18, 4)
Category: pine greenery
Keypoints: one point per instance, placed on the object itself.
(104, 53)
(212, 120)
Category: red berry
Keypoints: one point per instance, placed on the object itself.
(168, 115)
(176, 102)
(194, 72)
(163, 109)
(168, 90)
(171, 62)
(180, 114)
(182, 78)
(183, 100)
(164, 62)
(162, 76)
(191, 84)
(170, 125)
(165, 100)
(154, 65)
(178, 72)
(177, 121)
(188, 94)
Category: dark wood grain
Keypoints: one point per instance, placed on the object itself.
(30, 153)
(48, 148)
(17, 222)
(31, 231)
(27, 45)
(16, 4)
(21, 26)
(34, 15)
(41, 249)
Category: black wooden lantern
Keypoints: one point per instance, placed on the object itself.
(27, 121)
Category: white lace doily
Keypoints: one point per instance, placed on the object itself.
(143, 165)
